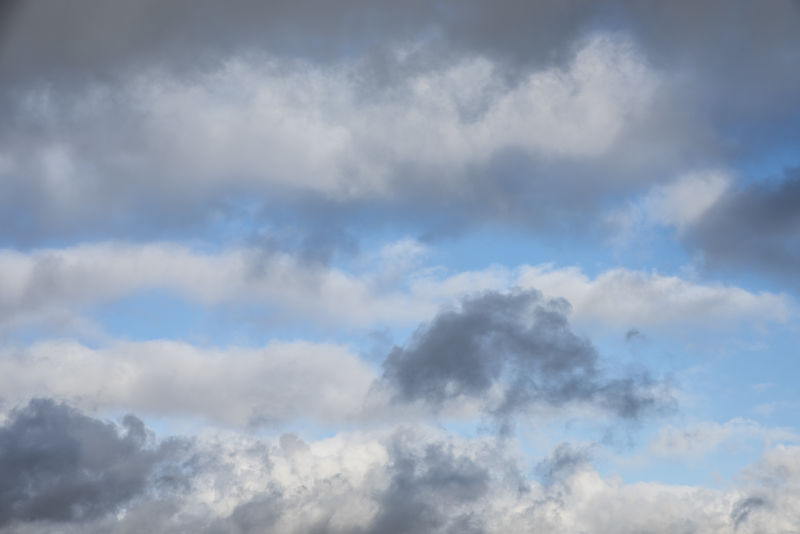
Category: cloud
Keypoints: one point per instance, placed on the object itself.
(516, 350)
(54, 283)
(59, 465)
(274, 131)
(742, 509)
(120, 36)
(235, 386)
(750, 226)
(538, 115)
(698, 439)
(683, 201)
(622, 296)
(769, 487)
(754, 227)
(499, 351)
(562, 463)
(401, 481)
(53, 286)
(266, 142)
(430, 492)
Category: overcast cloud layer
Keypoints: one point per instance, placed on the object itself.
(365, 267)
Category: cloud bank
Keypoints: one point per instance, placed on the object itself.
(399, 482)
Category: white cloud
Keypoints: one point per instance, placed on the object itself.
(237, 386)
(265, 124)
(677, 204)
(53, 285)
(341, 484)
(701, 438)
(683, 201)
(622, 296)
(55, 282)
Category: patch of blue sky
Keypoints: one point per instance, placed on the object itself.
(738, 376)
(724, 361)
(722, 375)
(492, 245)
(160, 314)
(153, 314)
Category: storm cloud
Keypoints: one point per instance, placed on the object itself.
(57, 464)
(519, 349)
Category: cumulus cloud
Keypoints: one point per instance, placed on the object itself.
(516, 350)
(59, 465)
(431, 491)
(272, 128)
(393, 481)
(537, 115)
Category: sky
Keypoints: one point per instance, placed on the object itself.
(367, 267)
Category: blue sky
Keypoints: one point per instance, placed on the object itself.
(363, 267)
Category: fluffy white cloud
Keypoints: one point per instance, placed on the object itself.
(420, 478)
(277, 383)
(327, 481)
(264, 124)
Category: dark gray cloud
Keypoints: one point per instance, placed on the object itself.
(425, 489)
(756, 227)
(92, 39)
(729, 41)
(59, 465)
(517, 342)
